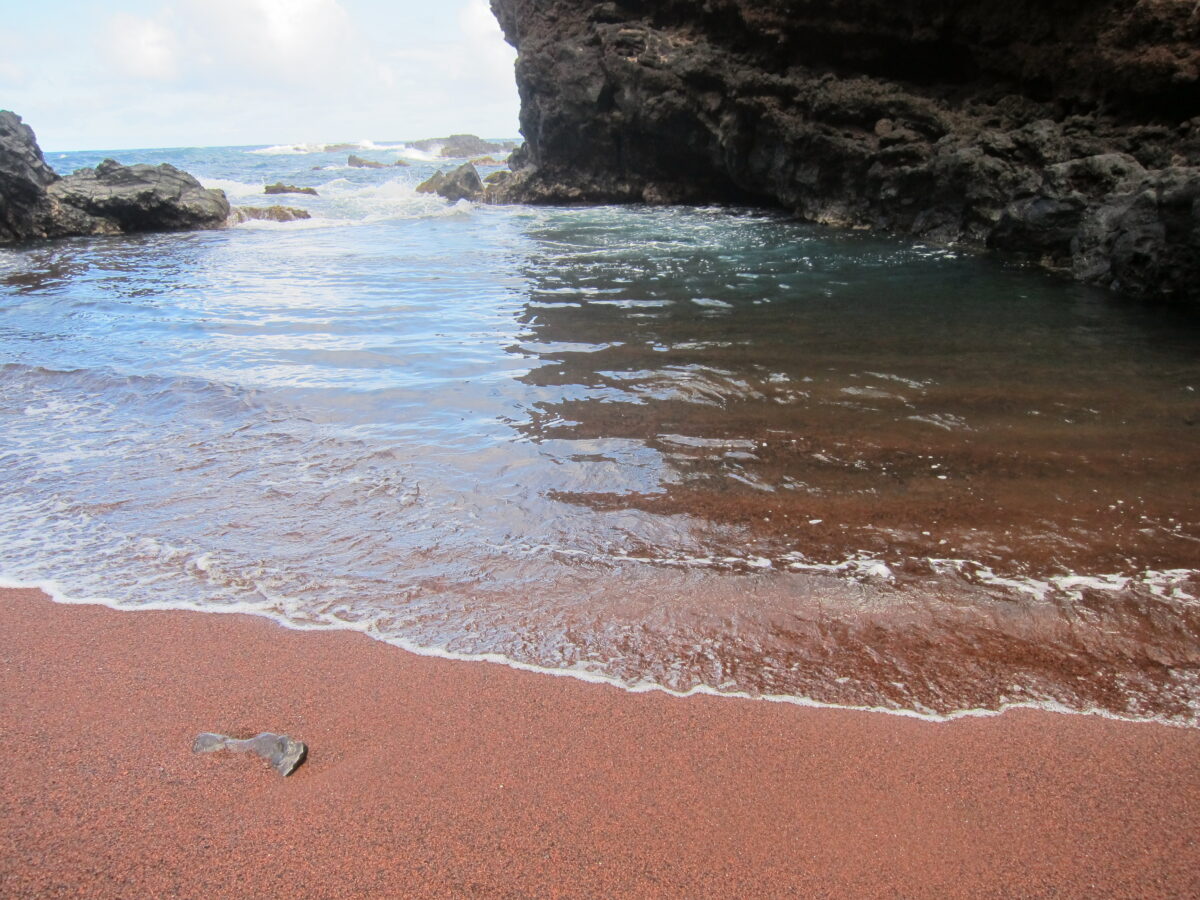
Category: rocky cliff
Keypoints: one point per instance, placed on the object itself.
(109, 199)
(1065, 131)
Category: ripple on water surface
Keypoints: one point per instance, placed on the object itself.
(698, 449)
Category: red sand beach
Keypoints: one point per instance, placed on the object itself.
(429, 777)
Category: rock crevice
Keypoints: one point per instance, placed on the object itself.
(1066, 133)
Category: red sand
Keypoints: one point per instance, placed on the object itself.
(435, 778)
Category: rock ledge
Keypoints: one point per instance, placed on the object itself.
(1066, 134)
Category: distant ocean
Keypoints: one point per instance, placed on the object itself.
(694, 449)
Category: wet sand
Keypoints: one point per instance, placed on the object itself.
(430, 777)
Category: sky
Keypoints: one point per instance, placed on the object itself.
(123, 74)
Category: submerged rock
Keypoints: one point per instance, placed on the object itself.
(282, 753)
(461, 184)
(280, 188)
(964, 127)
(275, 213)
(109, 199)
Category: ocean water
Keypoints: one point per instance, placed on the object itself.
(690, 449)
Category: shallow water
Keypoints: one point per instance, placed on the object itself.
(689, 448)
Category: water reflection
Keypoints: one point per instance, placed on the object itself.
(680, 447)
(891, 400)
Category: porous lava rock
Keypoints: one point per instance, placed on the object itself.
(109, 199)
(1065, 133)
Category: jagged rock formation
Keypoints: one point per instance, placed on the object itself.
(26, 210)
(109, 199)
(1066, 132)
(141, 198)
(461, 184)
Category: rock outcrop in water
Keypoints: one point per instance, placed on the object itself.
(280, 188)
(459, 146)
(1067, 133)
(461, 184)
(357, 162)
(276, 213)
(35, 202)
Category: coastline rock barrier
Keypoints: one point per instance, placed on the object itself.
(36, 202)
(960, 124)
(461, 184)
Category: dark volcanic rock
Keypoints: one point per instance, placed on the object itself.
(1066, 133)
(282, 753)
(280, 188)
(275, 213)
(142, 197)
(460, 146)
(25, 210)
(461, 184)
(110, 199)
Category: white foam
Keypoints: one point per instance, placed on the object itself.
(579, 672)
(407, 152)
(234, 189)
(289, 149)
(907, 382)
(340, 202)
(324, 147)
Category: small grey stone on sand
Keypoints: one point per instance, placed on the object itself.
(283, 753)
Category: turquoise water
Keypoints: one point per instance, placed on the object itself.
(699, 449)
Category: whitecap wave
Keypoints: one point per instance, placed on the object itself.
(337, 147)
(340, 203)
(288, 149)
(233, 189)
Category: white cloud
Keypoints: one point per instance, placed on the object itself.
(283, 40)
(176, 72)
(484, 41)
(141, 48)
(11, 73)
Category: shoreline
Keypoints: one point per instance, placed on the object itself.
(52, 591)
(435, 777)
